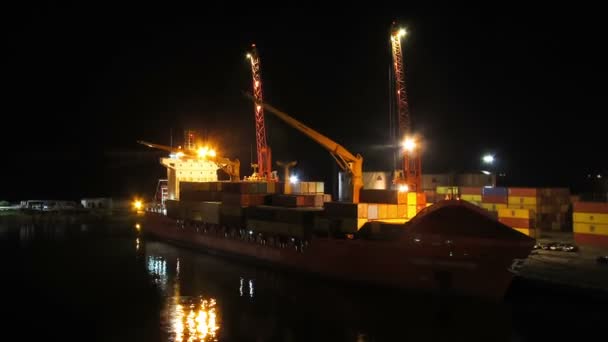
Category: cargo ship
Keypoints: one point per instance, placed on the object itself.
(385, 237)
(452, 246)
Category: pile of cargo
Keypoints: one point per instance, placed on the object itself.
(389, 206)
(590, 223)
(533, 209)
(550, 205)
(522, 220)
(295, 222)
(260, 206)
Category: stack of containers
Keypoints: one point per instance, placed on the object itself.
(389, 206)
(522, 220)
(444, 192)
(342, 216)
(470, 194)
(281, 221)
(494, 198)
(303, 194)
(554, 209)
(431, 196)
(590, 223)
(549, 206)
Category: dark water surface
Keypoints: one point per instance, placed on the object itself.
(102, 283)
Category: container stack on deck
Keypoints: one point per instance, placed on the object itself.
(390, 206)
(590, 223)
(260, 206)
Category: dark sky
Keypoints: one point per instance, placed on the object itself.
(83, 83)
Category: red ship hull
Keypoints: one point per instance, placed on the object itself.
(465, 266)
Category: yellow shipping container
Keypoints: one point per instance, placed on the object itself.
(411, 198)
(392, 211)
(522, 200)
(411, 211)
(320, 187)
(493, 206)
(360, 223)
(382, 211)
(471, 198)
(402, 210)
(515, 213)
(590, 218)
(590, 228)
(447, 190)
(362, 210)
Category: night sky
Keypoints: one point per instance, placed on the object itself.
(82, 84)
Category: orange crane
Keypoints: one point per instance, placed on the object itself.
(231, 167)
(411, 179)
(348, 162)
(264, 154)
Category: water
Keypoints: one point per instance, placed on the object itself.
(100, 283)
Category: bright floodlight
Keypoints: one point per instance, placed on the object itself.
(203, 151)
(212, 153)
(248, 55)
(293, 179)
(403, 188)
(486, 172)
(137, 204)
(488, 159)
(409, 144)
(401, 32)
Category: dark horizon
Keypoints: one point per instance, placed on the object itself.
(85, 83)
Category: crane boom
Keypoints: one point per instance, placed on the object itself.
(264, 156)
(348, 162)
(412, 163)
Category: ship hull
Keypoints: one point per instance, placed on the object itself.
(395, 264)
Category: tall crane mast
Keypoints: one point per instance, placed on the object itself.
(264, 155)
(411, 180)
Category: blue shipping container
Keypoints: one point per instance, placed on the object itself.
(494, 191)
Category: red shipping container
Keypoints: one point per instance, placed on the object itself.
(470, 191)
(590, 207)
(494, 199)
(517, 222)
(523, 192)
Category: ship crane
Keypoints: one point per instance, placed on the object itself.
(263, 169)
(231, 167)
(411, 179)
(348, 162)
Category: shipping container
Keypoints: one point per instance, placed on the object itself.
(494, 191)
(412, 210)
(590, 218)
(523, 192)
(382, 211)
(523, 200)
(494, 199)
(493, 206)
(590, 228)
(476, 191)
(471, 198)
(517, 222)
(515, 213)
(590, 207)
(320, 187)
(447, 190)
(382, 196)
(372, 211)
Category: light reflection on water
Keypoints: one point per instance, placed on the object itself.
(191, 319)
